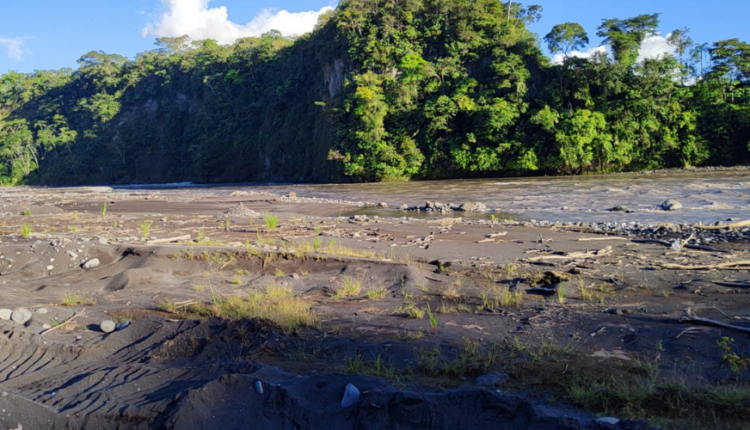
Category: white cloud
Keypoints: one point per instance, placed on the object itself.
(652, 47)
(558, 58)
(196, 19)
(15, 47)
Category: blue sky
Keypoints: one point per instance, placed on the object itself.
(51, 34)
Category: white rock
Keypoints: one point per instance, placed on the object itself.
(42, 311)
(73, 255)
(46, 326)
(103, 241)
(351, 395)
(671, 205)
(108, 326)
(21, 316)
(91, 264)
(50, 267)
(5, 314)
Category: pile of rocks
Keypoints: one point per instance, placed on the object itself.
(476, 207)
(240, 211)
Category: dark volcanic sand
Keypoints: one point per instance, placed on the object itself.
(617, 311)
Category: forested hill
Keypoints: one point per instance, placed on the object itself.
(381, 90)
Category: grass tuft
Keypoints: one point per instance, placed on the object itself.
(272, 221)
(376, 293)
(277, 304)
(350, 287)
(77, 299)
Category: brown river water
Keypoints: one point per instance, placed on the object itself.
(705, 196)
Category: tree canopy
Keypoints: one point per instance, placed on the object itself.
(381, 91)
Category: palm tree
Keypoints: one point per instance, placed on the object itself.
(697, 53)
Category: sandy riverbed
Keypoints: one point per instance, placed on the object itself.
(533, 327)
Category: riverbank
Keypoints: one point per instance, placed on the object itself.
(549, 323)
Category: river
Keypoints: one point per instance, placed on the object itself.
(705, 196)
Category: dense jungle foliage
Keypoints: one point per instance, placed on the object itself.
(382, 90)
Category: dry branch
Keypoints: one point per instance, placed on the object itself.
(64, 323)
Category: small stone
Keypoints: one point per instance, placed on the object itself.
(91, 264)
(491, 379)
(5, 314)
(404, 207)
(292, 195)
(103, 241)
(46, 326)
(50, 267)
(671, 205)
(383, 205)
(108, 326)
(42, 311)
(259, 387)
(608, 420)
(21, 316)
(351, 395)
(295, 276)
(122, 326)
(4, 394)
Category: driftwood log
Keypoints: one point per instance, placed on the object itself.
(168, 240)
(735, 265)
(688, 316)
(733, 284)
(739, 224)
(686, 245)
(573, 255)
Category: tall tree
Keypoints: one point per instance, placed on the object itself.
(681, 42)
(625, 36)
(566, 38)
(173, 45)
(732, 58)
(698, 53)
